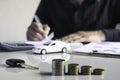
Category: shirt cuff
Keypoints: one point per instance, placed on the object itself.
(112, 34)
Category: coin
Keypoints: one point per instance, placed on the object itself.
(73, 69)
(58, 66)
(98, 71)
(86, 70)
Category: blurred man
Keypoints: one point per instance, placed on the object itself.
(77, 20)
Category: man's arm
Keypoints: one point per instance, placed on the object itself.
(113, 34)
(37, 32)
(85, 36)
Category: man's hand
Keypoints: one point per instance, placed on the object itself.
(36, 32)
(85, 36)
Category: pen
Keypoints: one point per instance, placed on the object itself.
(38, 21)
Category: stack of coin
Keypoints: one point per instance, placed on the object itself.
(98, 71)
(73, 69)
(58, 67)
(86, 70)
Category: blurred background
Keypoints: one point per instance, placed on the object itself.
(15, 17)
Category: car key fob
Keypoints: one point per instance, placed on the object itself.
(15, 62)
(19, 63)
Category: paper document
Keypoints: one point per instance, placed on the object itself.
(36, 43)
(100, 47)
(75, 45)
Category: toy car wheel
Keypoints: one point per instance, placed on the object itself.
(43, 51)
(64, 50)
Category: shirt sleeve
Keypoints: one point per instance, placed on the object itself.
(114, 34)
(41, 11)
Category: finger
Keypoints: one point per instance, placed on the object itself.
(75, 39)
(84, 39)
(72, 39)
(39, 36)
(30, 38)
(72, 35)
(31, 31)
(46, 30)
(37, 28)
(67, 37)
(32, 34)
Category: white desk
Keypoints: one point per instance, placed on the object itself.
(111, 66)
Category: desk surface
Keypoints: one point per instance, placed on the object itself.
(111, 66)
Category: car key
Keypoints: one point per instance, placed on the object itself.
(19, 63)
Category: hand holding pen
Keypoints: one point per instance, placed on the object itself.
(36, 31)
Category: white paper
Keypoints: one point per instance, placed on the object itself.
(36, 43)
(100, 47)
(75, 45)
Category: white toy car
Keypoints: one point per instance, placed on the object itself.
(53, 46)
